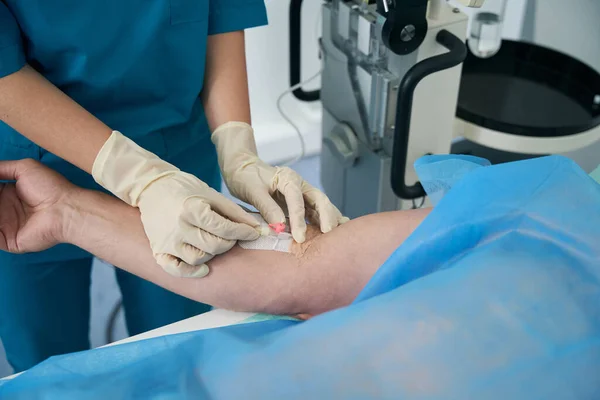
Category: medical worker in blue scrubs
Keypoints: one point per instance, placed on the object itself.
(148, 100)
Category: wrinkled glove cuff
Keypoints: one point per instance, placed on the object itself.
(126, 169)
(231, 125)
(235, 146)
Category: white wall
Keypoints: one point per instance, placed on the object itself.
(571, 26)
(268, 70)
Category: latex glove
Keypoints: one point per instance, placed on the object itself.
(272, 190)
(186, 221)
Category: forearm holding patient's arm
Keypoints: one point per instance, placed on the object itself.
(225, 94)
(38, 110)
(324, 273)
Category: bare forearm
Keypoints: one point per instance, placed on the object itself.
(324, 273)
(336, 266)
(242, 280)
(225, 93)
(41, 112)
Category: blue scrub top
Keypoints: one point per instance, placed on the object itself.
(137, 65)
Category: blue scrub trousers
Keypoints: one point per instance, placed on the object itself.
(45, 304)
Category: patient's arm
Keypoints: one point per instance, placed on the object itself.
(325, 272)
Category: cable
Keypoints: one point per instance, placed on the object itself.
(414, 203)
(318, 24)
(285, 116)
(300, 156)
(112, 321)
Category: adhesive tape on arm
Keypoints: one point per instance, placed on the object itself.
(269, 239)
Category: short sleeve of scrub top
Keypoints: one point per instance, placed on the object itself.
(12, 57)
(235, 15)
(224, 16)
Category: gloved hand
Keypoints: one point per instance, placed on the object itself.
(186, 221)
(272, 190)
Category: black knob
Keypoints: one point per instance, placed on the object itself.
(404, 33)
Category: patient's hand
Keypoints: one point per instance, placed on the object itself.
(33, 212)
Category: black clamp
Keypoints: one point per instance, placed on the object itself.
(406, 26)
(456, 55)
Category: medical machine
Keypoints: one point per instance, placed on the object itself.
(400, 82)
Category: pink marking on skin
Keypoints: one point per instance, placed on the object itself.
(278, 228)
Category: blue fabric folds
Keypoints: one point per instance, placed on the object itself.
(495, 296)
(439, 173)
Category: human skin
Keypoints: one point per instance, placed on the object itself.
(324, 273)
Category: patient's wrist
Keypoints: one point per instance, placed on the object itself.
(75, 209)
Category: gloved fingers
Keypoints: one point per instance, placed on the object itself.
(326, 217)
(296, 211)
(180, 269)
(312, 216)
(231, 210)
(209, 243)
(201, 215)
(268, 207)
(192, 255)
(329, 216)
(287, 182)
(280, 200)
